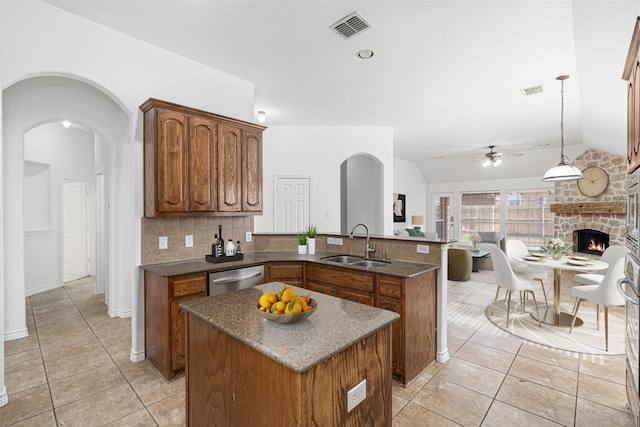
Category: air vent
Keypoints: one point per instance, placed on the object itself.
(351, 25)
(533, 90)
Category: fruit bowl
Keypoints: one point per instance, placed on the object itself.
(289, 318)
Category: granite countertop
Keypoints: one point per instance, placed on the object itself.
(336, 325)
(394, 268)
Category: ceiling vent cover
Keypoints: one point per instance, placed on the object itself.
(351, 25)
(533, 90)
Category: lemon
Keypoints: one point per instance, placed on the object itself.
(264, 300)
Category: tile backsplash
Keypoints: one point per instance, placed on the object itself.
(202, 229)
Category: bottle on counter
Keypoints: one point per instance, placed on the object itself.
(238, 250)
(220, 244)
(214, 247)
(231, 248)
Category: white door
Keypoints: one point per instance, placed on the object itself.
(75, 230)
(442, 215)
(293, 204)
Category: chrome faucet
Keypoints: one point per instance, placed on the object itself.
(367, 249)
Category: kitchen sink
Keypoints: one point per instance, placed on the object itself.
(355, 260)
(369, 263)
(343, 259)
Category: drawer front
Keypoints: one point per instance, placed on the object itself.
(285, 271)
(390, 286)
(340, 277)
(188, 284)
(362, 298)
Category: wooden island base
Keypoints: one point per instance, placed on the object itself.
(229, 383)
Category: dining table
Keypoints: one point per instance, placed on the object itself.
(577, 263)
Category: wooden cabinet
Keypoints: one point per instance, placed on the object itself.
(414, 343)
(345, 283)
(291, 273)
(632, 75)
(198, 163)
(164, 319)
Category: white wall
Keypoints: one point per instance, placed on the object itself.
(318, 152)
(408, 180)
(363, 194)
(3, 391)
(70, 155)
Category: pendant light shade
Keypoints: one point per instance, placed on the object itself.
(563, 171)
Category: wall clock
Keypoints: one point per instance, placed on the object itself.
(594, 182)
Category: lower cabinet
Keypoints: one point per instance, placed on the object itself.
(164, 320)
(291, 273)
(414, 342)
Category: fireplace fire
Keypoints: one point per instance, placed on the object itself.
(590, 241)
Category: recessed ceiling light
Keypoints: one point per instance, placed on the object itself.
(365, 54)
(66, 124)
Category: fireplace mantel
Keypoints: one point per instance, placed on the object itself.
(615, 208)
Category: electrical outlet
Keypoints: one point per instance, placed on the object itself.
(337, 241)
(163, 242)
(356, 395)
(423, 249)
(188, 241)
(247, 236)
(331, 241)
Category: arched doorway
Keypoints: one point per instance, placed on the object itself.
(361, 193)
(27, 105)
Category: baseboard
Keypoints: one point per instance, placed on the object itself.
(442, 356)
(117, 313)
(136, 356)
(44, 288)
(4, 398)
(8, 336)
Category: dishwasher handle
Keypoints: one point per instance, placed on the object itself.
(236, 278)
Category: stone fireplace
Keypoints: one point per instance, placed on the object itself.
(594, 217)
(588, 241)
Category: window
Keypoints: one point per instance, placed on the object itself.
(479, 212)
(529, 216)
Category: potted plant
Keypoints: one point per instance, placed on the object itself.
(302, 243)
(311, 238)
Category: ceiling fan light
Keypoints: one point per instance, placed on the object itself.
(497, 162)
(562, 172)
(486, 163)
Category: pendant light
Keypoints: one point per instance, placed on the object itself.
(563, 171)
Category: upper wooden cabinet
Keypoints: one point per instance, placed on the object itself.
(198, 163)
(632, 75)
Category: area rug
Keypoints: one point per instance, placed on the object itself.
(583, 339)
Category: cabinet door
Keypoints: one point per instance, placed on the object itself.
(397, 333)
(251, 171)
(202, 165)
(229, 168)
(171, 162)
(178, 324)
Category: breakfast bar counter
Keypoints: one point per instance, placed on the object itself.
(242, 367)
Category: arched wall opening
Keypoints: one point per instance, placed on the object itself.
(362, 193)
(27, 105)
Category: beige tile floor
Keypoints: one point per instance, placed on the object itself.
(74, 370)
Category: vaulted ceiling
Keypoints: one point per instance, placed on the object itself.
(446, 75)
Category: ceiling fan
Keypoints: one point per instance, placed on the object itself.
(493, 158)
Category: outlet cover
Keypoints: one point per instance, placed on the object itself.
(188, 241)
(331, 241)
(422, 249)
(247, 236)
(163, 242)
(338, 241)
(356, 395)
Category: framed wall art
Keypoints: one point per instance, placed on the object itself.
(399, 205)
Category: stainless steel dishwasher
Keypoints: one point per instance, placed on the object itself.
(232, 280)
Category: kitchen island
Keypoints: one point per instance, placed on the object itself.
(245, 370)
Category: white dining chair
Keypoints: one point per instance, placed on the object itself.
(507, 279)
(610, 255)
(517, 249)
(605, 294)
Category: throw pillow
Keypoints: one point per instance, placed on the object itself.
(490, 237)
(412, 232)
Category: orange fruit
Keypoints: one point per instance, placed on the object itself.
(278, 306)
(287, 295)
(273, 298)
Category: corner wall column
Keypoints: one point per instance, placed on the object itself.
(442, 355)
